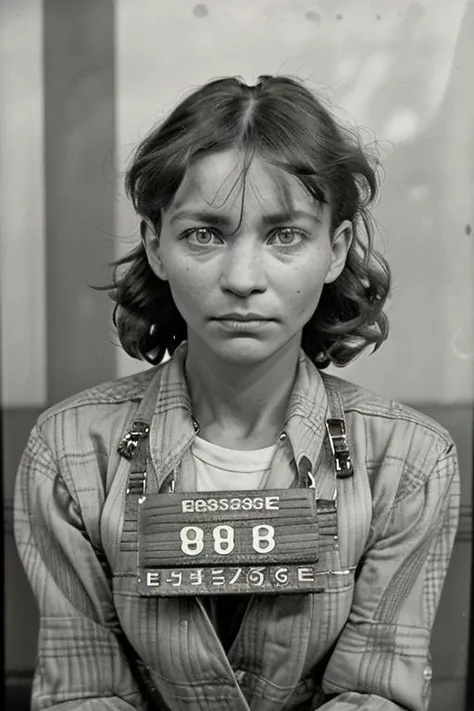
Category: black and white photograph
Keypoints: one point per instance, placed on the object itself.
(237, 354)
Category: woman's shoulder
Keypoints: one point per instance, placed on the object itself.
(109, 392)
(386, 416)
(100, 410)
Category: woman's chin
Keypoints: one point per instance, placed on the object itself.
(242, 351)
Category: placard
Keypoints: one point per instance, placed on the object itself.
(228, 542)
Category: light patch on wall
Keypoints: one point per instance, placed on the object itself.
(375, 70)
(22, 267)
(416, 193)
(402, 126)
(462, 345)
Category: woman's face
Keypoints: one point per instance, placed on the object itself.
(246, 261)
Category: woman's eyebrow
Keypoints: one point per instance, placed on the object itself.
(212, 218)
(200, 216)
(278, 218)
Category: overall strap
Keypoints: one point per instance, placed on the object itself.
(336, 429)
(353, 484)
(141, 423)
(135, 447)
(131, 447)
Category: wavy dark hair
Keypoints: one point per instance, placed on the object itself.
(284, 123)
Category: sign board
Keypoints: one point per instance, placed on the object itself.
(228, 542)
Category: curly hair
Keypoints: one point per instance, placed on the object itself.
(284, 123)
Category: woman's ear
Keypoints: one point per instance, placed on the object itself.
(340, 243)
(151, 243)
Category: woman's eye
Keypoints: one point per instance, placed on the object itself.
(205, 236)
(201, 235)
(288, 236)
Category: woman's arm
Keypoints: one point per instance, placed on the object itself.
(80, 662)
(381, 661)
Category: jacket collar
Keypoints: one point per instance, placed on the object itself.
(172, 427)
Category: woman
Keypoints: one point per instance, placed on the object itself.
(233, 528)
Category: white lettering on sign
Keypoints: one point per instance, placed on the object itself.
(263, 538)
(305, 575)
(256, 576)
(176, 578)
(282, 576)
(217, 576)
(192, 539)
(236, 576)
(153, 579)
(242, 579)
(195, 576)
(223, 539)
(236, 503)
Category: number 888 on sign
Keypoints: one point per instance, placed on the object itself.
(222, 543)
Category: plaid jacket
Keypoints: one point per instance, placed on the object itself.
(361, 643)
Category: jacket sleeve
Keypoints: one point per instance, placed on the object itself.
(381, 661)
(80, 661)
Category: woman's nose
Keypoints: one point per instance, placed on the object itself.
(243, 269)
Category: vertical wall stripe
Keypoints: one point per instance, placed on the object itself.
(79, 177)
(22, 280)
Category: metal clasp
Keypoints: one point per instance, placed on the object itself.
(169, 484)
(338, 441)
(129, 444)
(137, 483)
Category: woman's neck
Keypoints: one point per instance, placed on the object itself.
(240, 406)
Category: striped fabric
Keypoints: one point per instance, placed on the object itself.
(361, 643)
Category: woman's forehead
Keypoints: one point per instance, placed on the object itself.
(221, 180)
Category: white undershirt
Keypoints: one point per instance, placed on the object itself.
(221, 469)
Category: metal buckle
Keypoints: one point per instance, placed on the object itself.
(338, 441)
(137, 483)
(129, 444)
